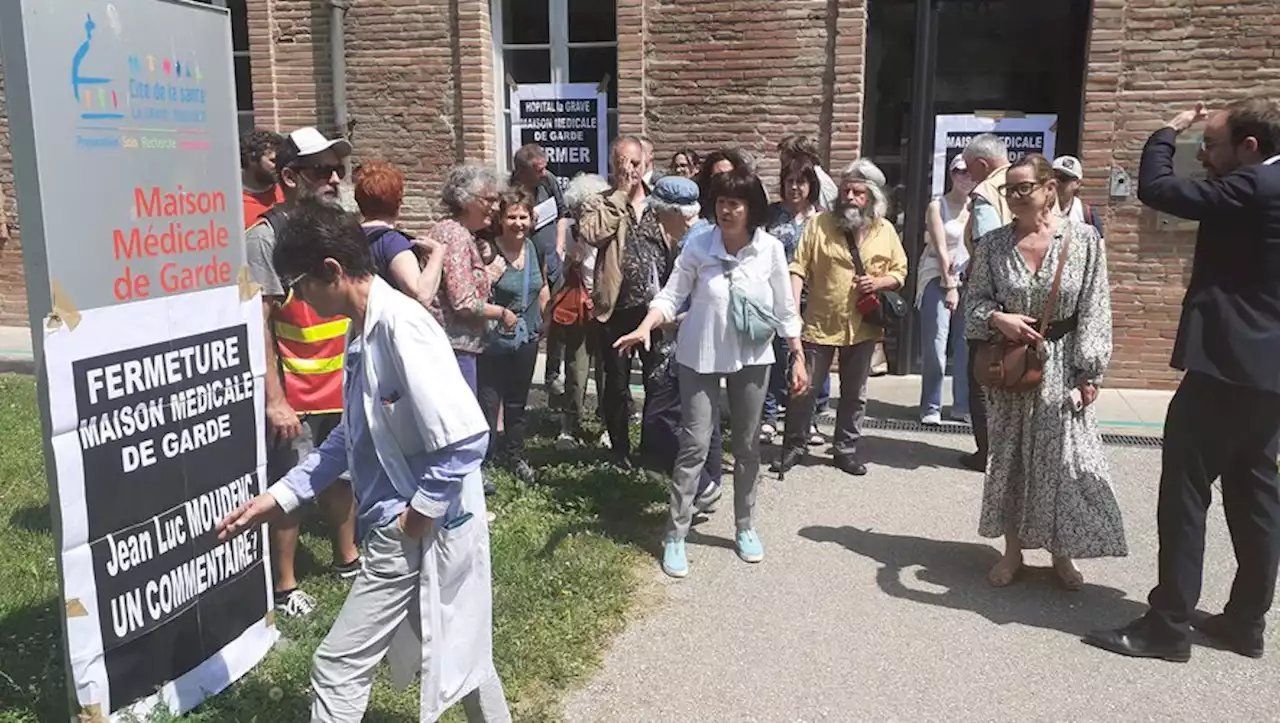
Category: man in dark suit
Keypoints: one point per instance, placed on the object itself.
(1224, 420)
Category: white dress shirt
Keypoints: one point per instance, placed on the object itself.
(708, 342)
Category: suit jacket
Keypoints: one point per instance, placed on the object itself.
(1230, 325)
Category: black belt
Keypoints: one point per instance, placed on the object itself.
(1060, 328)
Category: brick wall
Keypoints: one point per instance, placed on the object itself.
(1149, 59)
(13, 292)
(419, 83)
(742, 73)
(707, 74)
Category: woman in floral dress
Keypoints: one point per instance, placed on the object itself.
(1047, 483)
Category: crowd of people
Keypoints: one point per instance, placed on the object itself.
(406, 362)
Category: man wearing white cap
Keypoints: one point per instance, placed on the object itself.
(304, 362)
(1070, 173)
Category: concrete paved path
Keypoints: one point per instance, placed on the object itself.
(872, 605)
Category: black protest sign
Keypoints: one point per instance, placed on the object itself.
(568, 129)
(169, 438)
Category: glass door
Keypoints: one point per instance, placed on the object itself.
(553, 41)
(992, 55)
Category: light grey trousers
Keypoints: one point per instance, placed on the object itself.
(699, 405)
(383, 594)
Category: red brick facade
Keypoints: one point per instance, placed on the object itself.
(421, 92)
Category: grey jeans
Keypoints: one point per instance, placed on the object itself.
(855, 368)
(699, 405)
(383, 594)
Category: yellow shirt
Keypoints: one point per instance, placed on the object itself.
(823, 259)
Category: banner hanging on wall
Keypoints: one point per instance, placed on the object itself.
(151, 343)
(569, 121)
(1024, 134)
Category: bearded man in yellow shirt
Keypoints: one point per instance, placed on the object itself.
(833, 327)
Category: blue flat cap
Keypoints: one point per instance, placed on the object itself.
(675, 191)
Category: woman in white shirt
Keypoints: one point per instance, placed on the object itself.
(735, 276)
(938, 298)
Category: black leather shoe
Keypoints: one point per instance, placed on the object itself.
(790, 457)
(975, 461)
(850, 465)
(1225, 631)
(1138, 640)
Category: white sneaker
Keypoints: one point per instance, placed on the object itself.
(932, 419)
(816, 438)
(706, 502)
(565, 442)
(604, 440)
(767, 432)
(297, 604)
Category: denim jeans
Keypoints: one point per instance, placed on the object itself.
(779, 381)
(936, 325)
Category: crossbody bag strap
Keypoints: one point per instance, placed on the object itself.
(524, 289)
(1052, 305)
(852, 241)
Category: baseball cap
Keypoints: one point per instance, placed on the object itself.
(958, 164)
(308, 142)
(1069, 166)
(675, 191)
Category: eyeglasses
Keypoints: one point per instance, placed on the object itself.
(291, 286)
(1019, 190)
(324, 173)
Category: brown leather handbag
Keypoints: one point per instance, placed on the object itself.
(572, 304)
(1016, 366)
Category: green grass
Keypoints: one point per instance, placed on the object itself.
(566, 553)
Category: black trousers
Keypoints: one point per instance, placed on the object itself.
(503, 380)
(977, 407)
(1218, 430)
(616, 398)
(660, 430)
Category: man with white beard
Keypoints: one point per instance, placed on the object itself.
(833, 326)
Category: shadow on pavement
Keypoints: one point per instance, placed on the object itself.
(960, 569)
(907, 454)
(874, 450)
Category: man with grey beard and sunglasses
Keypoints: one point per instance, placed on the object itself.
(304, 363)
(833, 324)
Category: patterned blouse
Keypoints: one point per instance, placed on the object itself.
(464, 287)
(784, 226)
(646, 263)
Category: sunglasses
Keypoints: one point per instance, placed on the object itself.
(1019, 190)
(325, 172)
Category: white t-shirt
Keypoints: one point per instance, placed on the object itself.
(1076, 212)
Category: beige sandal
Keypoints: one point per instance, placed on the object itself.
(1003, 573)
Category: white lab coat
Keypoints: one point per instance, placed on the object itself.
(427, 409)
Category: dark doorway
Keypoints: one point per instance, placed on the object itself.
(992, 55)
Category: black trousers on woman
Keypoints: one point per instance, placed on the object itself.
(503, 381)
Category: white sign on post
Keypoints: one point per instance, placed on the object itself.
(569, 121)
(1024, 134)
(149, 341)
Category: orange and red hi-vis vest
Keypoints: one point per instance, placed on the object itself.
(310, 349)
